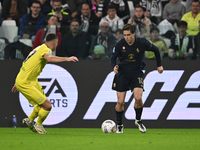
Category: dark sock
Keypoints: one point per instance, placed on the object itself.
(119, 117)
(138, 112)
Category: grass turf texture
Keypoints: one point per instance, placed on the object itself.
(95, 139)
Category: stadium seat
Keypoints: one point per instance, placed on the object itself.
(8, 32)
(2, 46)
(27, 42)
(0, 9)
(9, 23)
(131, 8)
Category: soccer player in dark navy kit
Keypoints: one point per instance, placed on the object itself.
(128, 73)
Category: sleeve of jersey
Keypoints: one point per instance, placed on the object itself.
(114, 55)
(153, 48)
(46, 51)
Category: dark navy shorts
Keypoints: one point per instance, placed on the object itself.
(125, 82)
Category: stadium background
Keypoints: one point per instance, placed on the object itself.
(89, 77)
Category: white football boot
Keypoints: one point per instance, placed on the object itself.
(140, 125)
(29, 123)
(120, 128)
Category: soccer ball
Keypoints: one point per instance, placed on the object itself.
(108, 126)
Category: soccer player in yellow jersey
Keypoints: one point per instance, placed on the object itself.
(27, 83)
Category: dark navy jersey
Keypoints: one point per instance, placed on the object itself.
(131, 56)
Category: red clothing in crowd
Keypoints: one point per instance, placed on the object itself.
(40, 36)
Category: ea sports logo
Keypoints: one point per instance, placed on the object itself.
(60, 88)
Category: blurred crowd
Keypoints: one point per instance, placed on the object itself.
(89, 29)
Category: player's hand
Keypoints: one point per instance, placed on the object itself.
(14, 89)
(160, 69)
(116, 69)
(72, 58)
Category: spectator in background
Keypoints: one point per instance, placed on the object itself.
(102, 45)
(45, 6)
(41, 34)
(192, 18)
(89, 21)
(75, 6)
(173, 11)
(188, 5)
(97, 7)
(75, 42)
(121, 7)
(14, 10)
(197, 43)
(114, 21)
(160, 43)
(142, 23)
(119, 34)
(31, 23)
(153, 10)
(182, 44)
(57, 10)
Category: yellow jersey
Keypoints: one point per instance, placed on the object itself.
(193, 23)
(33, 65)
(161, 46)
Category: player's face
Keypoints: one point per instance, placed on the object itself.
(195, 7)
(55, 45)
(129, 37)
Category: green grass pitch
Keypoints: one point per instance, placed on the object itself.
(95, 139)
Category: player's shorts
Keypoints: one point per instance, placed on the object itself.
(125, 82)
(32, 91)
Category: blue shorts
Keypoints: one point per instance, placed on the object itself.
(125, 82)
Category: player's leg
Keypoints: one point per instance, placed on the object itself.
(138, 106)
(26, 91)
(30, 120)
(42, 115)
(119, 109)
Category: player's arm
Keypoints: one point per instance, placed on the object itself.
(14, 89)
(153, 48)
(51, 58)
(113, 59)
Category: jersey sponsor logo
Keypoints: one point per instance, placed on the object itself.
(138, 50)
(131, 58)
(61, 89)
(186, 107)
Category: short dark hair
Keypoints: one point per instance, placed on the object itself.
(139, 6)
(196, 1)
(154, 29)
(129, 27)
(51, 37)
(182, 24)
(119, 30)
(58, 1)
(75, 20)
(90, 6)
(37, 2)
(111, 6)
